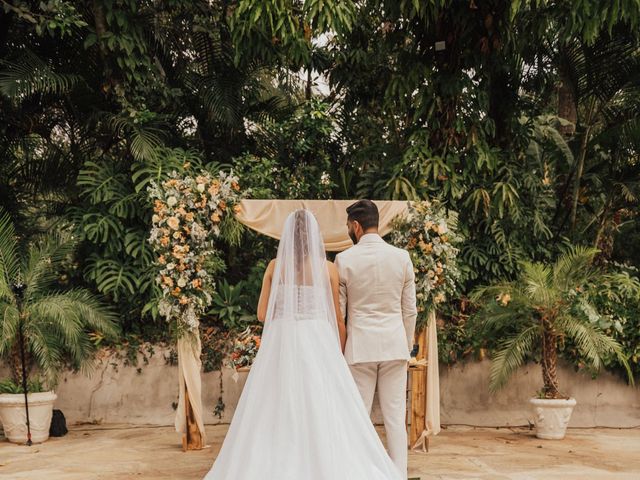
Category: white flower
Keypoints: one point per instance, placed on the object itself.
(200, 187)
(182, 282)
(170, 266)
(155, 218)
(171, 201)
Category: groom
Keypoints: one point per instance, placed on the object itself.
(378, 299)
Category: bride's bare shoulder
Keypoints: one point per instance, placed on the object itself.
(333, 270)
(271, 267)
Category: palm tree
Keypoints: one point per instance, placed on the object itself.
(39, 324)
(545, 306)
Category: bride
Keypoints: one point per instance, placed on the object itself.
(300, 415)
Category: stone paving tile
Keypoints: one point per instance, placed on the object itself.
(153, 453)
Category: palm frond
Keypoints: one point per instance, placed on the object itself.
(29, 75)
(489, 292)
(44, 346)
(92, 312)
(511, 355)
(10, 318)
(43, 260)
(592, 342)
(574, 268)
(494, 317)
(58, 326)
(9, 261)
(536, 279)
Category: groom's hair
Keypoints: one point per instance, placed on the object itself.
(365, 213)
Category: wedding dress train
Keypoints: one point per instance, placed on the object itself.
(300, 415)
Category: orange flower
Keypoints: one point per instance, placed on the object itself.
(237, 208)
(223, 205)
(164, 241)
(161, 260)
(184, 300)
(426, 247)
(215, 217)
(196, 283)
(235, 186)
(167, 281)
(214, 188)
(173, 222)
(189, 217)
(176, 292)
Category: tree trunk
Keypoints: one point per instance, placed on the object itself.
(308, 91)
(101, 28)
(567, 109)
(549, 360)
(578, 177)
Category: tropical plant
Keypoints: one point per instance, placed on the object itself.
(544, 307)
(229, 305)
(9, 385)
(41, 324)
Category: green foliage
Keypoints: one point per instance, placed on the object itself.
(295, 158)
(617, 300)
(10, 386)
(56, 324)
(547, 300)
(526, 124)
(230, 306)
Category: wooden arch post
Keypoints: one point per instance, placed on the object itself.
(418, 392)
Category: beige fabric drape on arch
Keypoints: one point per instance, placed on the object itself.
(189, 366)
(268, 217)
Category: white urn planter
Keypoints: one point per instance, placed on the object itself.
(552, 417)
(14, 417)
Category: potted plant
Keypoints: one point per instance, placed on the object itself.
(546, 306)
(42, 327)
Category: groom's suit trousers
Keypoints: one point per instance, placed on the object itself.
(390, 378)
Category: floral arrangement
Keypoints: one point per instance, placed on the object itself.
(189, 212)
(245, 347)
(424, 232)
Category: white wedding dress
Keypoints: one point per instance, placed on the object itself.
(300, 416)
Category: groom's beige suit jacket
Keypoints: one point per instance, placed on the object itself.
(378, 300)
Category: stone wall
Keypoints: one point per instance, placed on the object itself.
(116, 393)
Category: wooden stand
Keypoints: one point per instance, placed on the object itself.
(192, 440)
(417, 386)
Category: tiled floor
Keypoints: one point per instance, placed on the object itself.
(127, 452)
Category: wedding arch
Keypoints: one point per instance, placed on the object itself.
(191, 211)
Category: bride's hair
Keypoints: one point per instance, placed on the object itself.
(301, 237)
